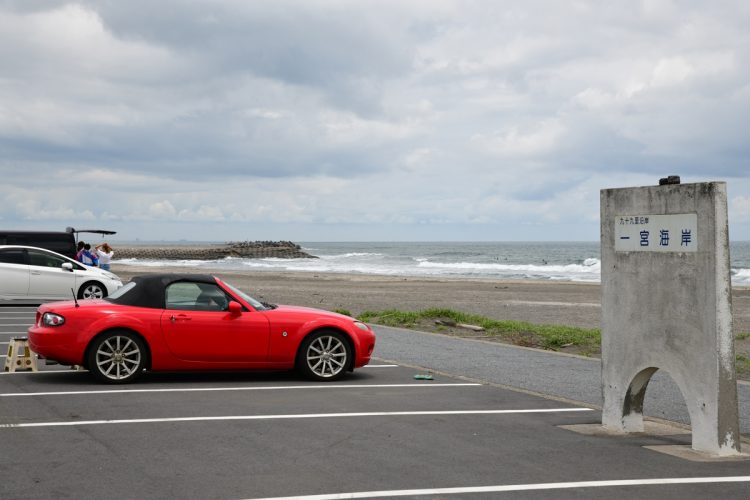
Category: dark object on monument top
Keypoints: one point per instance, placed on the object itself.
(672, 179)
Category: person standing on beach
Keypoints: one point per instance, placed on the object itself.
(88, 258)
(105, 253)
(79, 251)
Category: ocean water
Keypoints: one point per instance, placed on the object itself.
(551, 261)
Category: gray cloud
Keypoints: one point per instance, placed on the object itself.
(330, 112)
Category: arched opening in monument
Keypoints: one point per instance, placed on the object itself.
(652, 392)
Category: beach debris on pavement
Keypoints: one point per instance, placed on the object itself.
(451, 323)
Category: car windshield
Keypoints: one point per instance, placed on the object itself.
(121, 291)
(253, 302)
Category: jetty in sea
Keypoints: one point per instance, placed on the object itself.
(242, 249)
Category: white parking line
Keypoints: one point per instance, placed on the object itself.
(67, 371)
(290, 417)
(39, 372)
(17, 324)
(224, 389)
(520, 487)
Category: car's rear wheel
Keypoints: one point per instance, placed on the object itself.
(324, 355)
(117, 357)
(92, 290)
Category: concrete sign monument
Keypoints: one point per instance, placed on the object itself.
(666, 305)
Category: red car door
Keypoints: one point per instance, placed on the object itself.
(216, 335)
(197, 331)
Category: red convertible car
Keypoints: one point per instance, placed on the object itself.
(170, 322)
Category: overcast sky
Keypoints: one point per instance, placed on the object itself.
(353, 120)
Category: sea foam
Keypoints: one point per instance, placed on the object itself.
(554, 261)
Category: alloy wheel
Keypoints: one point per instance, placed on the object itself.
(118, 358)
(326, 356)
(93, 292)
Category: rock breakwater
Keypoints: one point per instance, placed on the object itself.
(243, 249)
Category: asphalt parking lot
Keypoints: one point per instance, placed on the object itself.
(379, 432)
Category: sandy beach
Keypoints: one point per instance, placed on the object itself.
(538, 302)
(541, 302)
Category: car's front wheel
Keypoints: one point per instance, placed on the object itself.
(324, 356)
(92, 290)
(117, 357)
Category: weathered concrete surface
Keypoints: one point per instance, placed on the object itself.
(670, 311)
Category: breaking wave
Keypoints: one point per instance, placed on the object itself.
(553, 262)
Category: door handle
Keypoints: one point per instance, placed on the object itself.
(36, 273)
(179, 317)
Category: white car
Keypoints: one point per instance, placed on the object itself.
(31, 273)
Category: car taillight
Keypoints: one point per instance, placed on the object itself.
(52, 319)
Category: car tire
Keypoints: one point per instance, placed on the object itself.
(92, 290)
(117, 357)
(324, 355)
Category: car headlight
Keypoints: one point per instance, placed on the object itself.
(362, 326)
(52, 319)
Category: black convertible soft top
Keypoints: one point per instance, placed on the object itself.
(149, 289)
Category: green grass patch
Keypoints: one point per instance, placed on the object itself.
(345, 312)
(516, 332)
(390, 317)
(742, 336)
(742, 364)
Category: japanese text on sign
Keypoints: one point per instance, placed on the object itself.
(656, 233)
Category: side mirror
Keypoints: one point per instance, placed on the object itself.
(67, 266)
(235, 308)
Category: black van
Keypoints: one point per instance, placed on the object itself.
(62, 242)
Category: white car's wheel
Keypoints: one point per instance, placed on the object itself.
(92, 290)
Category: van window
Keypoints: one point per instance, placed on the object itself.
(62, 243)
